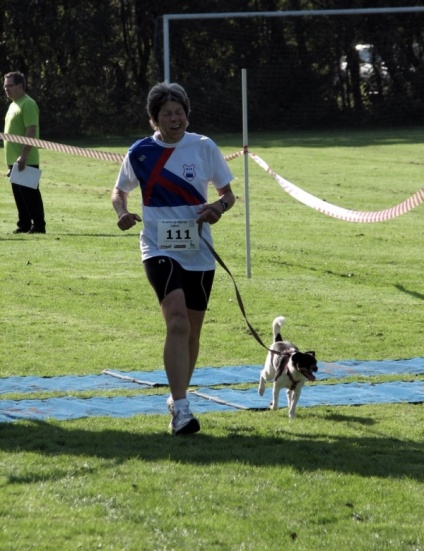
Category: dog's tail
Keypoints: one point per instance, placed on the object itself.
(277, 324)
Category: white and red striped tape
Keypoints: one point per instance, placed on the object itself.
(333, 210)
(296, 192)
(52, 146)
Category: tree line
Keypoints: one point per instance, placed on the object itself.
(91, 63)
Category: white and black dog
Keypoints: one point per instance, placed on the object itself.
(287, 367)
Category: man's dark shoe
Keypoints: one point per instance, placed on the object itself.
(36, 230)
(19, 230)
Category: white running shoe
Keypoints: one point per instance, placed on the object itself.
(170, 404)
(184, 422)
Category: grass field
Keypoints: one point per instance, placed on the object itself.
(75, 301)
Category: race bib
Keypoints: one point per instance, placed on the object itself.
(181, 235)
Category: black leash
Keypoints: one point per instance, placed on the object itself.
(239, 300)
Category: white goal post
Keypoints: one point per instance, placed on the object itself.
(168, 18)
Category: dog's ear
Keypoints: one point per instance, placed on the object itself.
(311, 353)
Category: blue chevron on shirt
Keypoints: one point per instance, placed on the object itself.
(159, 186)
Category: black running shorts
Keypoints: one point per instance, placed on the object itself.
(166, 275)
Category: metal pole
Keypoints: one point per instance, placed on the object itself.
(246, 169)
(166, 65)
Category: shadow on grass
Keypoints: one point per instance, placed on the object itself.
(373, 454)
(57, 235)
(305, 267)
(414, 294)
(332, 138)
(115, 235)
(308, 138)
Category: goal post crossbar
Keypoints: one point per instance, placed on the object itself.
(298, 13)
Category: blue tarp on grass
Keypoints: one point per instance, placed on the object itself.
(206, 398)
(206, 376)
(69, 407)
(209, 399)
(347, 394)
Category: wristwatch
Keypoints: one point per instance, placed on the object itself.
(224, 204)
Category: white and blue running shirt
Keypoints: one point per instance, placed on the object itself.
(174, 182)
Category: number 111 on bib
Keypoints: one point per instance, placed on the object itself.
(178, 235)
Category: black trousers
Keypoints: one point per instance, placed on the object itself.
(30, 207)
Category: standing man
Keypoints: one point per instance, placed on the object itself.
(22, 119)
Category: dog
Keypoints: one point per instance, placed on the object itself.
(288, 368)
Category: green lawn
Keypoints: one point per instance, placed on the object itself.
(75, 301)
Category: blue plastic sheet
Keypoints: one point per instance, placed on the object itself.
(206, 376)
(68, 408)
(347, 394)
(210, 399)
(206, 398)
(369, 368)
(66, 383)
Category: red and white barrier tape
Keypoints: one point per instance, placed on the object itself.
(52, 146)
(333, 210)
(296, 192)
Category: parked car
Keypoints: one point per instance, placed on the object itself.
(372, 70)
